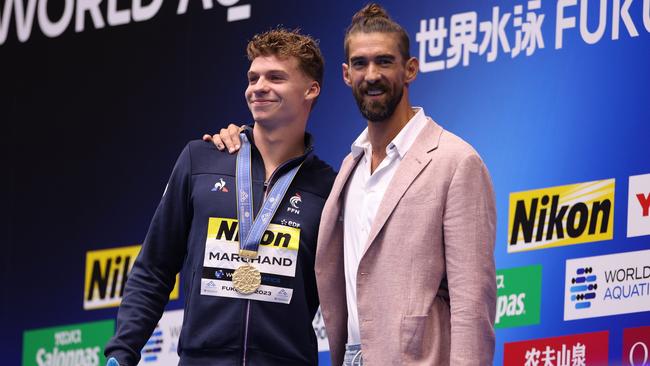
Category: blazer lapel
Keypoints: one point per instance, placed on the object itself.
(416, 159)
(342, 178)
(332, 211)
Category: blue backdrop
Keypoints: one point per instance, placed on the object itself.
(96, 118)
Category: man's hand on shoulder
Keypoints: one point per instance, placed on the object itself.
(227, 138)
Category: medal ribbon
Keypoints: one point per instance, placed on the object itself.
(250, 232)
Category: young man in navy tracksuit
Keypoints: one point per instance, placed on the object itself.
(195, 230)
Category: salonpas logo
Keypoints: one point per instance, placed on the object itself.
(71, 345)
(519, 294)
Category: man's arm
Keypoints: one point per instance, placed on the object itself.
(226, 138)
(154, 272)
(469, 234)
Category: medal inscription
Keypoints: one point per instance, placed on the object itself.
(246, 279)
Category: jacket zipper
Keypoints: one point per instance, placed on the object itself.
(248, 302)
(248, 313)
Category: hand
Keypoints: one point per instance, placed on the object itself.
(227, 138)
(112, 362)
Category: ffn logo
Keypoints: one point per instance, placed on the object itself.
(295, 201)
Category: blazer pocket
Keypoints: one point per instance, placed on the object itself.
(428, 198)
(412, 336)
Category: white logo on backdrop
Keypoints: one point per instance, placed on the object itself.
(620, 284)
(638, 206)
(75, 15)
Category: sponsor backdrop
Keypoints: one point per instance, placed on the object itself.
(99, 97)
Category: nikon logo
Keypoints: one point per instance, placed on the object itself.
(106, 274)
(276, 236)
(563, 215)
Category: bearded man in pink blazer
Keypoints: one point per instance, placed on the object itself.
(404, 264)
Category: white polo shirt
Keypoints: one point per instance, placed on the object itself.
(363, 195)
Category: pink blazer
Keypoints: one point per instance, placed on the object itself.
(426, 289)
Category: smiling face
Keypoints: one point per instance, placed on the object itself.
(278, 91)
(377, 73)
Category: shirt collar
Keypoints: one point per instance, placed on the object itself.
(289, 164)
(309, 139)
(401, 143)
(360, 145)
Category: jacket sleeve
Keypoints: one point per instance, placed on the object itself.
(469, 235)
(154, 271)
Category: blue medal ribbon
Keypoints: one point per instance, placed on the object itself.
(251, 231)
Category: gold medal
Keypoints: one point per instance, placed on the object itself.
(246, 279)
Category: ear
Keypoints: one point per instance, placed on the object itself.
(346, 74)
(313, 91)
(412, 68)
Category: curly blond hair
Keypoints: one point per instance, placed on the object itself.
(285, 43)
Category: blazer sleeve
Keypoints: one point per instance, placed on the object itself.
(154, 272)
(469, 235)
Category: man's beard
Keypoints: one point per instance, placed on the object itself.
(377, 111)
